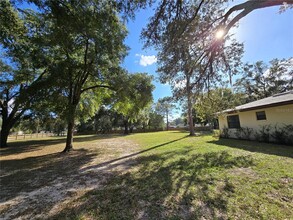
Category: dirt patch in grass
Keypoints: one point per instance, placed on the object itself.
(40, 183)
(246, 172)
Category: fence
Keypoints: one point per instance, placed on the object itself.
(201, 128)
(17, 136)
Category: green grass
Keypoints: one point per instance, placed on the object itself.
(174, 176)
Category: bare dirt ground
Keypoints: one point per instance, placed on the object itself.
(38, 184)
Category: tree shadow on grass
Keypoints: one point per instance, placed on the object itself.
(179, 131)
(172, 185)
(29, 174)
(28, 181)
(33, 145)
(253, 146)
(133, 154)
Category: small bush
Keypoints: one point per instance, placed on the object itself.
(239, 133)
(267, 133)
(216, 133)
(247, 133)
(289, 130)
(263, 134)
(244, 133)
(279, 134)
(225, 132)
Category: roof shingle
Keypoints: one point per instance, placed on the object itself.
(284, 98)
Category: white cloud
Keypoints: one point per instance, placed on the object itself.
(146, 60)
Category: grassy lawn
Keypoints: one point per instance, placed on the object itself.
(164, 175)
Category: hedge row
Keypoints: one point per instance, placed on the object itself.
(267, 133)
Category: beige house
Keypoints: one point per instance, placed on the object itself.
(276, 110)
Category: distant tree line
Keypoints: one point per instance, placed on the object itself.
(61, 61)
(256, 81)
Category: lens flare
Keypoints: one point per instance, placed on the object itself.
(220, 34)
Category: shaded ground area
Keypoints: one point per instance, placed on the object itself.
(164, 175)
(39, 186)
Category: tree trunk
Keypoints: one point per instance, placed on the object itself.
(167, 121)
(7, 124)
(4, 136)
(126, 131)
(189, 105)
(190, 119)
(70, 129)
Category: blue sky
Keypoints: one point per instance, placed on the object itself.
(266, 35)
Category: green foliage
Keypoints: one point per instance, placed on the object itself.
(87, 44)
(247, 133)
(20, 66)
(189, 58)
(281, 134)
(260, 80)
(225, 132)
(108, 119)
(178, 121)
(135, 93)
(73, 51)
(144, 117)
(11, 26)
(289, 129)
(216, 133)
(244, 133)
(74, 48)
(165, 107)
(263, 133)
(215, 101)
(184, 34)
(156, 121)
(90, 102)
(239, 133)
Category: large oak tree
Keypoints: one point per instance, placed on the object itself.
(134, 97)
(22, 66)
(183, 33)
(82, 46)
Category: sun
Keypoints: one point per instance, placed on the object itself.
(220, 34)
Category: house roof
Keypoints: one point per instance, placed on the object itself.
(279, 99)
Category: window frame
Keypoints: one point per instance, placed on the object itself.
(233, 124)
(261, 115)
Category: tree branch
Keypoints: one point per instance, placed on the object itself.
(248, 7)
(1, 104)
(97, 86)
(193, 17)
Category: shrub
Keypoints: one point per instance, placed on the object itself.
(216, 133)
(244, 133)
(247, 133)
(263, 134)
(239, 132)
(279, 134)
(289, 138)
(266, 133)
(225, 132)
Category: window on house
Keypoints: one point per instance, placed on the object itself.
(233, 121)
(261, 115)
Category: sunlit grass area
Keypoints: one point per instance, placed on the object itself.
(163, 175)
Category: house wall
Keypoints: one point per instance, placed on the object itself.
(275, 115)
